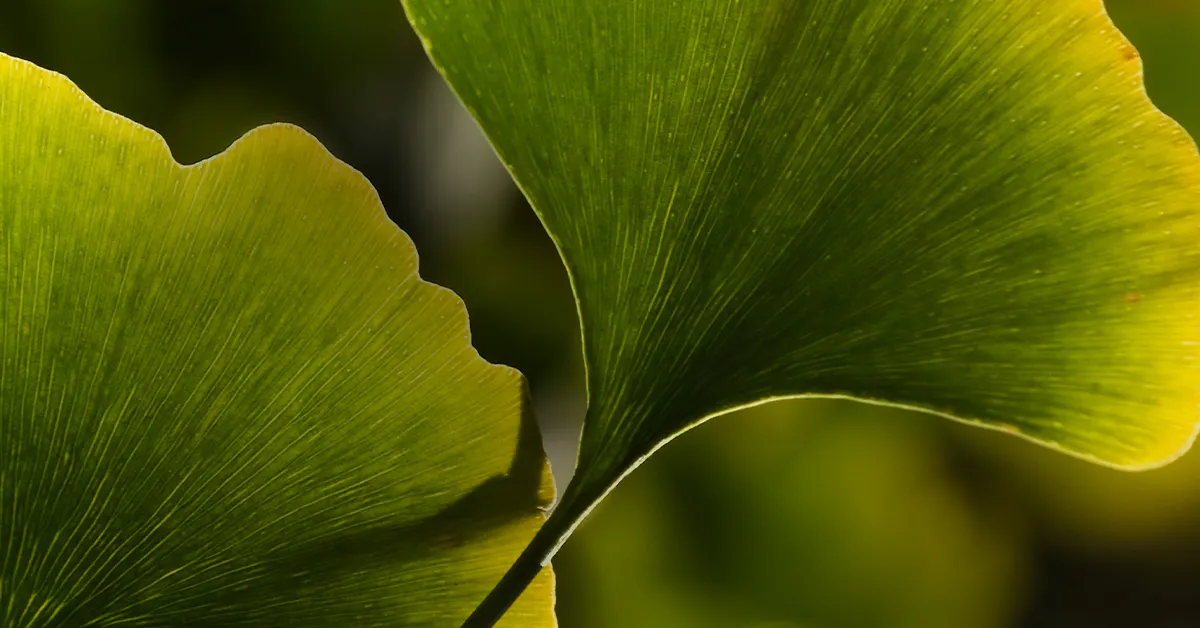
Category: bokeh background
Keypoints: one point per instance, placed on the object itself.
(815, 514)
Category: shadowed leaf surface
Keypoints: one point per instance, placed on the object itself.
(227, 399)
(968, 207)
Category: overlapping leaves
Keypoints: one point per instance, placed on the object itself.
(963, 206)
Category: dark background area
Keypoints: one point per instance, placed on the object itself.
(798, 514)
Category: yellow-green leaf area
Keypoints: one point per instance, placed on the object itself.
(968, 207)
(226, 397)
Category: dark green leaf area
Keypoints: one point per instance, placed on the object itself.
(965, 207)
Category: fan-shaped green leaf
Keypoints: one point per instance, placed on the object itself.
(226, 398)
(964, 206)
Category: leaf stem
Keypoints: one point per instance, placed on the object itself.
(542, 547)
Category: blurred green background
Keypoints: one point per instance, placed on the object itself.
(799, 514)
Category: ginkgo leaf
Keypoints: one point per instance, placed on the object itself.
(964, 206)
(226, 397)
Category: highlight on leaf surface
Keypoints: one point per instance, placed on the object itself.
(968, 207)
(226, 397)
